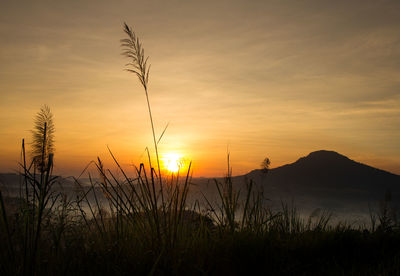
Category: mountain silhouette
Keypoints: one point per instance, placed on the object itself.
(329, 169)
(327, 179)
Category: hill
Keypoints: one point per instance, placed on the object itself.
(329, 170)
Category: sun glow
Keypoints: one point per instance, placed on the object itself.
(172, 162)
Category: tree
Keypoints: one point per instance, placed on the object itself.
(265, 165)
(43, 138)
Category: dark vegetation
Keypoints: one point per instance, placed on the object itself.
(146, 225)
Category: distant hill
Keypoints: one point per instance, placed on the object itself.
(327, 179)
(329, 170)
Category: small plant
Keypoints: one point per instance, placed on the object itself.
(387, 215)
(37, 199)
(234, 213)
(43, 138)
(265, 164)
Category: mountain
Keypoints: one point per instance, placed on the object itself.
(329, 180)
(328, 169)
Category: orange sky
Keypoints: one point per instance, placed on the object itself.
(260, 78)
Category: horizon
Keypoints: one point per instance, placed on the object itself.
(83, 175)
(259, 79)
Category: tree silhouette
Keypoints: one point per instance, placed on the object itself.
(43, 138)
(265, 165)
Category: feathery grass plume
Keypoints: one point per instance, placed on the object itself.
(132, 49)
(43, 138)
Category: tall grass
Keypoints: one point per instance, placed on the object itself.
(25, 231)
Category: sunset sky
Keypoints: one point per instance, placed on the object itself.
(275, 79)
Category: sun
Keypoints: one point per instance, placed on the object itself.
(172, 162)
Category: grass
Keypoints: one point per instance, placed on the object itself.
(119, 225)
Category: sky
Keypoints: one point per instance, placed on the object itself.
(276, 79)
